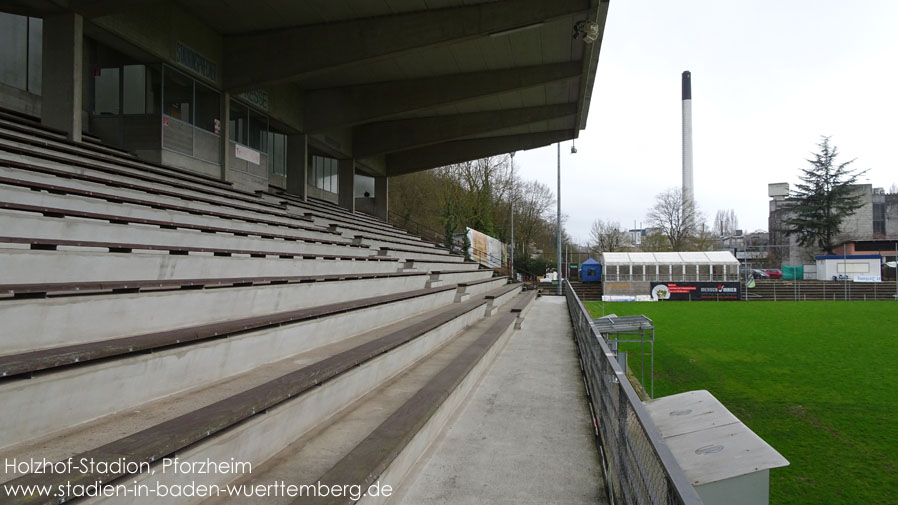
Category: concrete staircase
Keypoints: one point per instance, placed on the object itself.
(588, 291)
(152, 314)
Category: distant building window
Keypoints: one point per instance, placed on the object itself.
(879, 218)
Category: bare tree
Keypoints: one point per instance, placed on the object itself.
(675, 217)
(725, 223)
(607, 236)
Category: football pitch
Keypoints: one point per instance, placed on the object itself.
(817, 380)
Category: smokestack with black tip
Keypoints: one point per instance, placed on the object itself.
(687, 137)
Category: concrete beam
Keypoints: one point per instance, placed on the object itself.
(250, 60)
(381, 197)
(97, 8)
(352, 105)
(458, 151)
(391, 136)
(346, 183)
(297, 165)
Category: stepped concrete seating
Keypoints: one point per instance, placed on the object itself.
(45, 156)
(296, 394)
(350, 221)
(149, 313)
(168, 198)
(69, 264)
(15, 129)
(811, 290)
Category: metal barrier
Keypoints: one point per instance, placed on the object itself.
(639, 469)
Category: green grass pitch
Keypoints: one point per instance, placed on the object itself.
(817, 380)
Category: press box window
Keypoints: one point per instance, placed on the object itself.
(177, 91)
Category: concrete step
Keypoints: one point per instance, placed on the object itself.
(114, 172)
(113, 375)
(153, 205)
(34, 324)
(25, 168)
(291, 404)
(27, 224)
(406, 254)
(382, 436)
(97, 152)
(83, 265)
(72, 203)
(429, 265)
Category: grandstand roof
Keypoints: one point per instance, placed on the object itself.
(670, 258)
(420, 83)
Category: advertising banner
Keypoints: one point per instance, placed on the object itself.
(486, 250)
(695, 291)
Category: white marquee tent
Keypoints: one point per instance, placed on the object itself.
(670, 266)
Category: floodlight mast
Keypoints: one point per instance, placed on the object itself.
(558, 223)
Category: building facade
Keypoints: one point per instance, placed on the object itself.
(877, 219)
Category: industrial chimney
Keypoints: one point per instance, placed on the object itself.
(688, 192)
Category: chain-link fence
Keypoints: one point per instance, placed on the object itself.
(638, 467)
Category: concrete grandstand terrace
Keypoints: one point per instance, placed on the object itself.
(184, 271)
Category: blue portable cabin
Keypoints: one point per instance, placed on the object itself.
(591, 271)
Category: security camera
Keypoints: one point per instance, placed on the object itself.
(587, 30)
(573, 149)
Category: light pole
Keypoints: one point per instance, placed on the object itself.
(558, 221)
(513, 195)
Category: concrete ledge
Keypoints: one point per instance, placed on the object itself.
(51, 322)
(93, 390)
(84, 265)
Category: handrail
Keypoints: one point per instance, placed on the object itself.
(638, 465)
(436, 237)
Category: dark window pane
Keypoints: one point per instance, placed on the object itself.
(13, 50)
(208, 109)
(106, 88)
(35, 53)
(238, 122)
(258, 131)
(177, 92)
(135, 89)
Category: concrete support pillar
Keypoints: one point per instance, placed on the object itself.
(298, 165)
(63, 48)
(346, 169)
(381, 197)
(224, 133)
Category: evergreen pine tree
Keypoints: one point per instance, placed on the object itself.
(823, 199)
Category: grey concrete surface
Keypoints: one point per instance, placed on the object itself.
(525, 437)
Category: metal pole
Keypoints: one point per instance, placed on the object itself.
(513, 195)
(558, 221)
(845, 267)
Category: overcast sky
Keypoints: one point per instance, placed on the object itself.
(768, 79)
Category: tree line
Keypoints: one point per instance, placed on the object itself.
(478, 194)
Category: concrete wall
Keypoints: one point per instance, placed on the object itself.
(20, 100)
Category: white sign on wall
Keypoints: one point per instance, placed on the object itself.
(246, 154)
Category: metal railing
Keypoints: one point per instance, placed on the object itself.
(639, 468)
